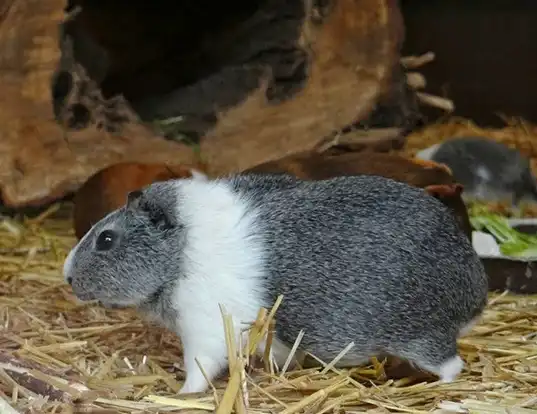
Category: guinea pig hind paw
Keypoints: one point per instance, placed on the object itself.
(450, 369)
(194, 383)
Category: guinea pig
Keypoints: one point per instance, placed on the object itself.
(434, 177)
(360, 258)
(487, 169)
(107, 189)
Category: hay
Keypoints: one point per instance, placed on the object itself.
(55, 351)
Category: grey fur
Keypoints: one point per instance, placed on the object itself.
(369, 260)
(364, 259)
(510, 176)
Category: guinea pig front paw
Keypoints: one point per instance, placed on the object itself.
(212, 365)
(195, 382)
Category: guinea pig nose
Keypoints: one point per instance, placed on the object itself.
(70, 280)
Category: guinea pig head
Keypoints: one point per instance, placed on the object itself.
(129, 257)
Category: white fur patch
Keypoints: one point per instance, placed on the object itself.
(428, 153)
(483, 173)
(223, 265)
(198, 175)
(451, 369)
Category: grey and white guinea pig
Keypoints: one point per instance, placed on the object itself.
(487, 169)
(361, 259)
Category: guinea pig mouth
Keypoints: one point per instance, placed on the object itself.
(103, 300)
(82, 294)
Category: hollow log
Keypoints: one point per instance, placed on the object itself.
(246, 81)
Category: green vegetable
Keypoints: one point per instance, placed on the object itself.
(512, 242)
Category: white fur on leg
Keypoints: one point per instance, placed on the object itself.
(450, 369)
(223, 263)
(195, 380)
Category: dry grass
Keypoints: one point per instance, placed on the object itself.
(55, 352)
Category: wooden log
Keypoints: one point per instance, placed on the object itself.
(251, 81)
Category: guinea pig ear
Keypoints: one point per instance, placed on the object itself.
(157, 209)
(133, 200)
(161, 214)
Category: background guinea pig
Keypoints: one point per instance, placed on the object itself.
(434, 177)
(107, 190)
(487, 169)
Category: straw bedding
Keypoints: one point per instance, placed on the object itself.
(60, 356)
(111, 361)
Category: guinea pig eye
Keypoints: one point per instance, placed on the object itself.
(106, 240)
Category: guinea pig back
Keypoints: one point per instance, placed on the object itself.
(434, 177)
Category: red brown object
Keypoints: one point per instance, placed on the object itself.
(444, 190)
(451, 196)
(320, 166)
(107, 190)
(432, 164)
(434, 178)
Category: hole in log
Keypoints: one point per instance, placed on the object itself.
(165, 56)
(62, 85)
(80, 117)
